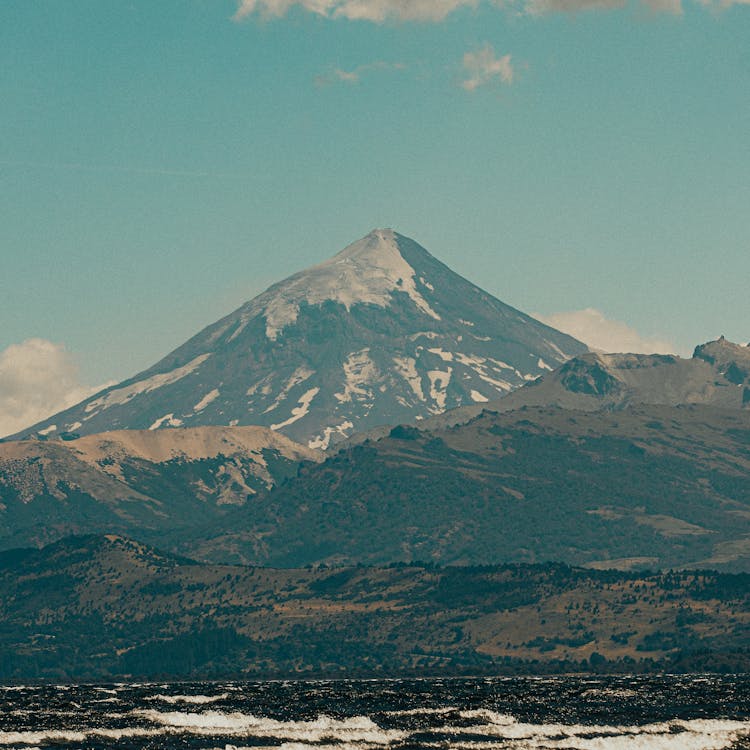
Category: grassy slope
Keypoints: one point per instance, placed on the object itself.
(96, 607)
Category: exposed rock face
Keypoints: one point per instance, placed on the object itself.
(148, 483)
(381, 333)
(718, 374)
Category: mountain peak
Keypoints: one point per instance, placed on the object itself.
(368, 271)
(731, 360)
(381, 332)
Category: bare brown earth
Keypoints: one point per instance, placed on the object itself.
(136, 480)
(99, 607)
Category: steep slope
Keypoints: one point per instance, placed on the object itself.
(718, 374)
(135, 481)
(646, 487)
(380, 333)
(97, 607)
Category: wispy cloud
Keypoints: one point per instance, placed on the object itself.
(599, 332)
(37, 379)
(379, 11)
(354, 76)
(543, 7)
(484, 66)
(362, 10)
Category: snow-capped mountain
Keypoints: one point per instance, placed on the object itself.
(380, 333)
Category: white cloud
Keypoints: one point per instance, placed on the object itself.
(379, 11)
(541, 7)
(599, 332)
(362, 10)
(339, 75)
(37, 379)
(484, 67)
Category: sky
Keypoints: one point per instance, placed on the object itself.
(586, 161)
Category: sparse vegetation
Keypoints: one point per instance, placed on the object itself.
(98, 607)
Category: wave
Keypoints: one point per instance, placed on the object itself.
(72, 735)
(193, 699)
(492, 717)
(356, 729)
(696, 734)
(423, 711)
(485, 730)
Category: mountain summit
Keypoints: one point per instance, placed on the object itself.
(381, 333)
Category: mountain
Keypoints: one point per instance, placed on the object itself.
(718, 374)
(136, 481)
(379, 334)
(645, 487)
(101, 607)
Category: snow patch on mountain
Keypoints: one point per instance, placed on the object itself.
(168, 420)
(321, 442)
(406, 367)
(368, 271)
(445, 356)
(478, 397)
(359, 371)
(206, 400)
(439, 381)
(561, 355)
(300, 375)
(122, 395)
(299, 411)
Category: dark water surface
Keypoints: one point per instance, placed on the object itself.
(578, 713)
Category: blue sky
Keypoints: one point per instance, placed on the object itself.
(162, 162)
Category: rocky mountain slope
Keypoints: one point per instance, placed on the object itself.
(379, 334)
(646, 487)
(101, 607)
(136, 481)
(718, 374)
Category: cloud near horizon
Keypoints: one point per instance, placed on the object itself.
(599, 332)
(37, 379)
(379, 11)
(484, 67)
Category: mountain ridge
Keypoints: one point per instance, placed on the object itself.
(718, 374)
(381, 332)
(644, 487)
(136, 482)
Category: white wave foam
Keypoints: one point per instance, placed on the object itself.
(424, 711)
(492, 717)
(696, 734)
(71, 735)
(194, 699)
(361, 733)
(356, 729)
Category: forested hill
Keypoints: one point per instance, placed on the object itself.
(104, 607)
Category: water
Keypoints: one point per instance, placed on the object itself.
(577, 713)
